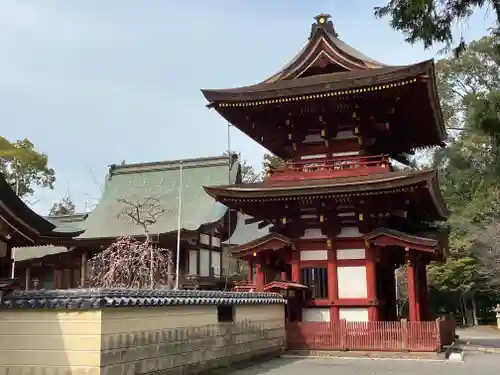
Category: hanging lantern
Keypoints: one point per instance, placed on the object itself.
(356, 130)
(360, 217)
(360, 140)
(254, 254)
(387, 126)
(323, 133)
(354, 115)
(283, 220)
(405, 214)
(289, 136)
(321, 218)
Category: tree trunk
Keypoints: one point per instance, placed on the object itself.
(474, 309)
(463, 308)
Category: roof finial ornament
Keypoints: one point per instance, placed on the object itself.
(323, 22)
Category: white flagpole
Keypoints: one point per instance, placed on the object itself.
(179, 213)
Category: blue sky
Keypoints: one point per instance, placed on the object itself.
(94, 82)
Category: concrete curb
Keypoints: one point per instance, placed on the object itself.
(415, 356)
(483, 349)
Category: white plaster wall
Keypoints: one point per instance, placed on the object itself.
(204, 263)
(316, 314)
(312, 157)
(193, 262)
(345, 254)
(312, 233)
(204, 239)
(347, 232)
(352, 282)
(354, 314)
(216, 241)
(216, 263)
(314, 255)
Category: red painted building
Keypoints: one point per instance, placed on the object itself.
(342, 217)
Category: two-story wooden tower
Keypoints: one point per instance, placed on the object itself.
(343, 217)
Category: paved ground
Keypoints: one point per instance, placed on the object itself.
(486, 336)
(477, 364)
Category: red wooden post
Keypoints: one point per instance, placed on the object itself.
(371, 282)
(259, 278)
(284, 276)
(412, 283)
(295, 266)
(333, 291)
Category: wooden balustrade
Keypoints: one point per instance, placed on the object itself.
(335, 167)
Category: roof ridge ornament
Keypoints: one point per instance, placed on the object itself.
(323, 22)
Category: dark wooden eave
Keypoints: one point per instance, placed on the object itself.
(23, 225)
(352, 186)
(271, 241)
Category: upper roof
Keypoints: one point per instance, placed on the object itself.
(23, 225)
(325, 71)
(133, 184)
(323, 53)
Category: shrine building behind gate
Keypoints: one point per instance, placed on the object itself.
(341, 216)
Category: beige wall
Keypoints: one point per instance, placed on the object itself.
(117, 341)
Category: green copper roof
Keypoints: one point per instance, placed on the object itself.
(64, 224)
(244, 233)
(135, 183)
(37, 252)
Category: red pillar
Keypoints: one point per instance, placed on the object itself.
(284, 276)
(371, 282)
(260, 278)
(333, 291)
(423, 291)
(413, 298)
(295, 266)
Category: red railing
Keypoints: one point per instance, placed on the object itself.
(367, 336)
(321, 168)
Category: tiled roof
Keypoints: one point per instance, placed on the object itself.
(99, 298)
(135, 182)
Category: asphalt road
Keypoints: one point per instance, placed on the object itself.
(477, 364)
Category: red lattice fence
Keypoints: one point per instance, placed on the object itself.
(376, 336)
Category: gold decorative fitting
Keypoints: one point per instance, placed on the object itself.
(321, 218)
(360, 217)
(323, 132)
(317, 96)
(329, 244)
(294, 146)
(367, 244)
(360, 140)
